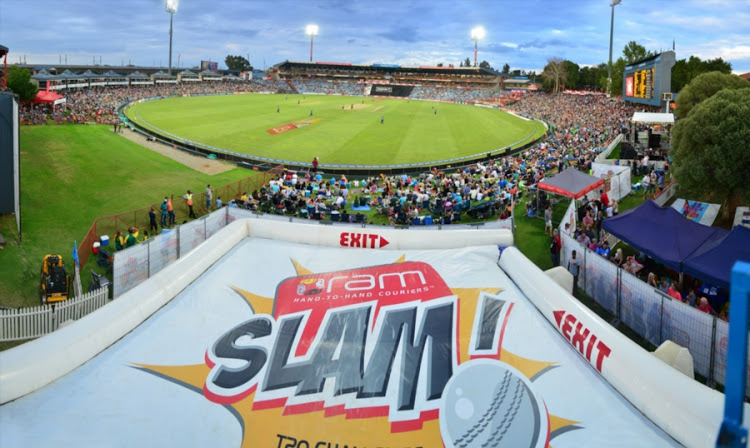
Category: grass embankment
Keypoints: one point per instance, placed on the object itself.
(71, 175)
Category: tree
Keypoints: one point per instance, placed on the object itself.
(19, 82)
(467, 62)
(506, 68)
(711, 160)
(485, 64)
(554, 73)
(439, 64)
(704, 87)
(685, 70)
(634, 52)
(237, 63)
(571, 69)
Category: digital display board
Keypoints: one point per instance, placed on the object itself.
(210, 66)
(645, 81)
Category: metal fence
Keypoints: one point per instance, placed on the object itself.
(133, 265)
(33, 322)
(109, 225)
(652, 314)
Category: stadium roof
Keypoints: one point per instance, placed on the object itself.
(112, 74)
(44, 75)
(162, 74)
(187, 73)
(91, 75)
(392, 68)
(137, 75)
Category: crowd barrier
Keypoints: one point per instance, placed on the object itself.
(651, 314)
(136, 264)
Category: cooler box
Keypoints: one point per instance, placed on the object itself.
(104, 240)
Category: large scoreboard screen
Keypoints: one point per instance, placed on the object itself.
(645, 81)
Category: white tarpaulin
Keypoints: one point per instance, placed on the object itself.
(701, 212)
(282, 334)
(157, 383)
(616, 179)
(653, 117)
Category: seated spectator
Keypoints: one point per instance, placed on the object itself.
(618, 259)
(594, 245)
(690, 298)
(652, 280)
(706, 307)
(603, 250)
(664, 285)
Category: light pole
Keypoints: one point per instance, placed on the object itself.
(477, 34)
(312, 31)
(171, 7)
(611, 31)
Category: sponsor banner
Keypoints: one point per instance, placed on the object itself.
(700, 212)
(295, 345)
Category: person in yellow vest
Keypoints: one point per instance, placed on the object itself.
(189, 198)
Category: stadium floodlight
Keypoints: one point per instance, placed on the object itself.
(477, 34)
(312, 31)
(171, 7)
(611, 31)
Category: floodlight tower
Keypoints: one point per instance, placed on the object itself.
(611, 30)
(171, 7)
(477, 34)
(312, 31)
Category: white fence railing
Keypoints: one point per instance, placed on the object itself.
(33, 322)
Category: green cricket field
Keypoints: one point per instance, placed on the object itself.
(337, 129)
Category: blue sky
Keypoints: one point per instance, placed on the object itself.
(523, 34)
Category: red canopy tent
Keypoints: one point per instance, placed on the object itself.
(4, 56)
(48, 97)
(570, 183)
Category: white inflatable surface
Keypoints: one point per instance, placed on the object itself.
(286, 344)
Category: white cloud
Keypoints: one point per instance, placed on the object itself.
(509, 44)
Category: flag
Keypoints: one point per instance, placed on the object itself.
(75, 252)
(672, 44)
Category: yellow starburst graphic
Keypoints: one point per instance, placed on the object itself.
(268, 422)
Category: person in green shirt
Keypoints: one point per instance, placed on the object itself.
(131, 239)
(119, 240)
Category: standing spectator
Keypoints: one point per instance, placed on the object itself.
(548, 220)
(209, 197)
(119, 240)
(131, 240)
(152, 220)
(163, 208)
(652, 183)
(170, 209)
(604, 198)
(554, 249)
(574, 267)
(645, 185)
(189, 199)
(673, 292)
(315, 165)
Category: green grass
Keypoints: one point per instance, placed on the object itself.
(411, 133)
(71, 175)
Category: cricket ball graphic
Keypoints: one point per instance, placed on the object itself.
(488, 403)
